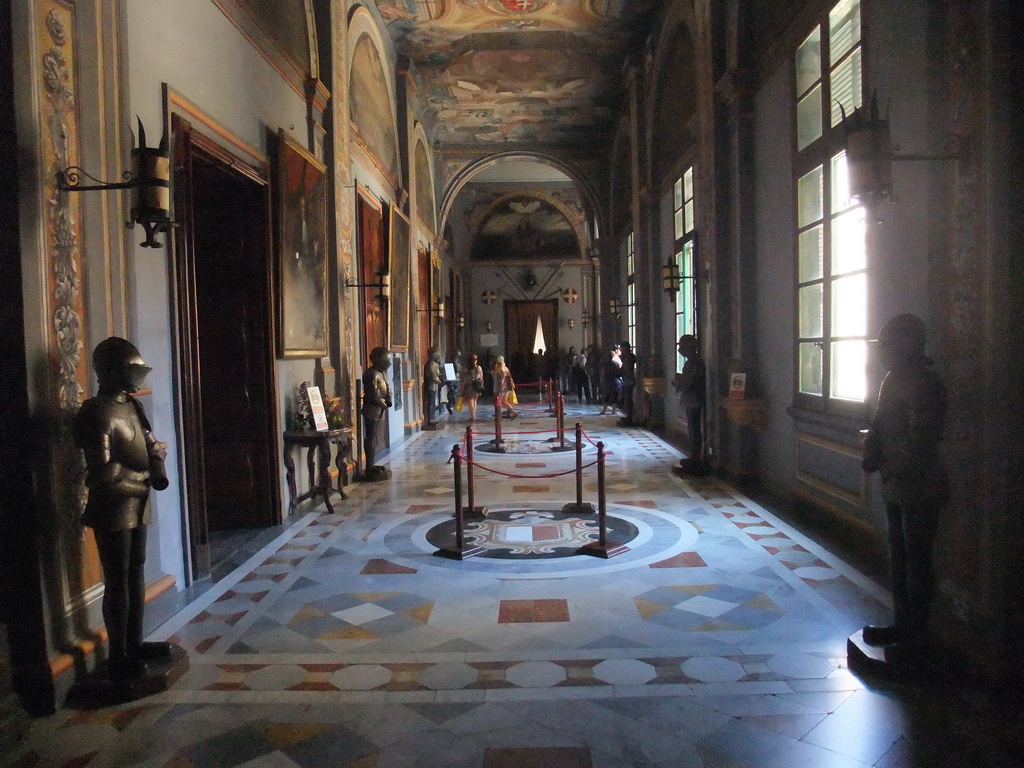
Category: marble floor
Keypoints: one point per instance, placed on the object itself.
(718, 639)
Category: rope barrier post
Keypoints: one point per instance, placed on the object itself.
(472, 511)
(497, 442)
(579, 508)
(602, 547)
(460, 551)
(561, 423)
(551, 398)
(560, 426)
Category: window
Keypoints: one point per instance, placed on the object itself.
(821, 90)
(684, 230)
(831, 273)
(630, 292)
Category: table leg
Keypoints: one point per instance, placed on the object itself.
(289, 467)
(324, 480)
(342, 466)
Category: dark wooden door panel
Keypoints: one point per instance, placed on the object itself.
(231, 265)
(224, 341)
(520, 334)
(373, 260)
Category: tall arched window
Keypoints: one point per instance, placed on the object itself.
(831, 269)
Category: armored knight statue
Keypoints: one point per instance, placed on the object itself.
(691, 386)
(902, 445)
(124, 461)
(432, 380)
(376, 400)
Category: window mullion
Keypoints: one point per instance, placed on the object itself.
(826, 269)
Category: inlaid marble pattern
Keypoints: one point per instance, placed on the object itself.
(717, 640)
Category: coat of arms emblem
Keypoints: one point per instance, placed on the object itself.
(519, 6)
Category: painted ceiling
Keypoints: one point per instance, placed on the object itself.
(526, 73)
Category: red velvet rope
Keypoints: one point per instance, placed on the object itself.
(506, 432)
(523, 477)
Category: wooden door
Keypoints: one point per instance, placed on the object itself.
(226, 343)
(372, 264)
(373, 261)
(422, 304)
(520, 332)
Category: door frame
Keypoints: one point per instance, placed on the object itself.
(189, 143)
(513, 306)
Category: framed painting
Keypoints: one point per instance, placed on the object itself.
(400, 250)
(301, 251)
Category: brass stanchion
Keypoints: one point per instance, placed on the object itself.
(460, 551)
(602, 547)
(497, 442)
(579, 508)
(560, 426)
(472, 510)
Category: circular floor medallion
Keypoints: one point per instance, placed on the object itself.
(520, 446)
(532, 534)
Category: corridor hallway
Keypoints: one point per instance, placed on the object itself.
(718, 640)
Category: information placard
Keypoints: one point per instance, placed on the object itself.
(316, 405)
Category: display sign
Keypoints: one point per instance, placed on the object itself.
(738, 386)
(316, 406)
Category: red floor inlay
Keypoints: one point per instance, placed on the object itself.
(682, 560)
(532, 611)
(537, 757)
(379, 566)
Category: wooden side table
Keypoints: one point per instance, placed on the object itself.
(318, 462)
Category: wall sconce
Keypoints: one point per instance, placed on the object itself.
(615, 307)
(488, 326)
(149, 180)
(384, 287)
(670, 278)
(571, 323)
(870, 153)
(461, 322)
(586, 318)
(437, 310)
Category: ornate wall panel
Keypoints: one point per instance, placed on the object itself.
(66, 343)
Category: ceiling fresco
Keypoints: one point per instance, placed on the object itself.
(530, 73)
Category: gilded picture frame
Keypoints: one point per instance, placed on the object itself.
(400, 254)
(301, 251)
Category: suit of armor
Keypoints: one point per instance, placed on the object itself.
(691, 385)
(902, 445)
(123, 460)
(431, 383)
(376, 400)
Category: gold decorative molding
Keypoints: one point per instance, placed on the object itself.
(63, 211)
(746, 412)
(65, 343)
(655, 385)
(178, 103)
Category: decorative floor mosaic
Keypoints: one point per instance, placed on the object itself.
(717, 640)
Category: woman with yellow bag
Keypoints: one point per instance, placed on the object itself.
(504, 388)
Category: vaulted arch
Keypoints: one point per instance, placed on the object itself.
(466, 174)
